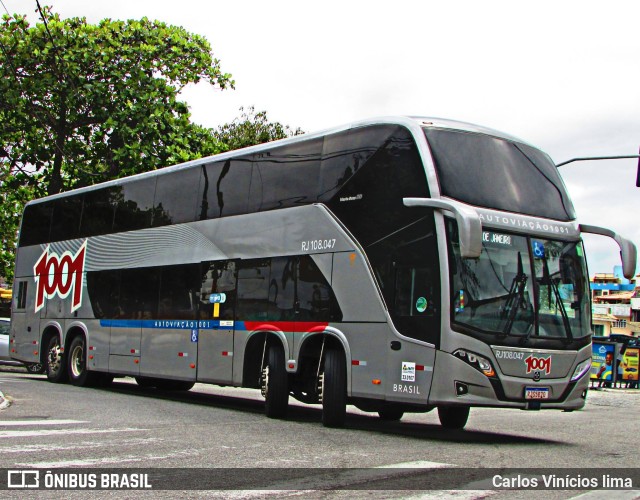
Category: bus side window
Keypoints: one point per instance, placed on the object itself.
(253, 289)
(177, 292)
(316, 300)
(217, 278)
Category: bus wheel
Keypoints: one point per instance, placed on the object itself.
(275, 384)
(78, 373)
(453, 417)
(390, 413)
(334, 389)
(55, 361)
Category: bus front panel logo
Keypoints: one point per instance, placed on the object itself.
(59, 275)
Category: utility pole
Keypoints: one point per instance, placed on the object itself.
(589, 158)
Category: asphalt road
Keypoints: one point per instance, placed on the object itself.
(53, 426)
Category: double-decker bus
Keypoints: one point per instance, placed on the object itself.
(398, 265)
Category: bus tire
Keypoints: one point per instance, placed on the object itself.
(55, 362)
(77, 364)
(276, 384)
(334, 389)
(390, 413)
(453, 417)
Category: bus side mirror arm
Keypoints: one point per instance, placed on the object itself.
(628, 251)
(469, 224)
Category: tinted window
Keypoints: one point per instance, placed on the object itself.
(282, 289)
(36, 224)
(139, 289)
(21, 299)
(103, 288)
(288, 176)
(369, 171)
(65, 221)
(253, 289)
(134, 205)
(407, 269)
(496, 173)
(98, 211)
(218, 278)
(178, 292)
(385, 169)
(315, 298)
(224, 188)
(176, 197)
(345, 153)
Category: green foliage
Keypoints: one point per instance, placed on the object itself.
(82, 103)
(252, 128)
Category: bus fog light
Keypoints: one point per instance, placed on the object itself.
(581, 369)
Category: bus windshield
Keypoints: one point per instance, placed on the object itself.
(525, 286)
(492, 172)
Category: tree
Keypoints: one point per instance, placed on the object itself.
(82, 103)
(252, 128)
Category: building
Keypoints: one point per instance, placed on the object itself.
(616, 304)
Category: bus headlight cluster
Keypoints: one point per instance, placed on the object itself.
(478, 362)
(581, 369)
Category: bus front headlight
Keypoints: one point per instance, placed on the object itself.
(581, 369)
(478, 362)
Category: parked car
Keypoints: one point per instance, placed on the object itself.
(5, 358)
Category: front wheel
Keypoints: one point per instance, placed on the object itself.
(275, 384)
(334, 389)
(78, 373)
(453, 417)
(55, 362)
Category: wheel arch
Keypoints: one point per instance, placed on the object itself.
(74, 330)
(312, 345)
(50, 330)
(254, 350)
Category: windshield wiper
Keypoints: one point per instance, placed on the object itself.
(516, 296)
(546, 279)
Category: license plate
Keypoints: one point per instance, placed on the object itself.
(536, 393)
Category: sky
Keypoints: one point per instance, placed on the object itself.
(563, 76)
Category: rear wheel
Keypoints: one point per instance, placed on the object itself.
(275, 384)
(55, 362)
(78, 373)
(453, 417)
(334, 389)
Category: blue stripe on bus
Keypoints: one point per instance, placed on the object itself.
(163, 324)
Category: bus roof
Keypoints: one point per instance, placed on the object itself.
(411, 122)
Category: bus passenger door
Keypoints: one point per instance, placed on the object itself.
(216, 322)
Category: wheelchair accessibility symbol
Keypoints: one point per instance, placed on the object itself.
(538, 249)
(194, 335)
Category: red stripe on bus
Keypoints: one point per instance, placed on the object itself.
(285, 326)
